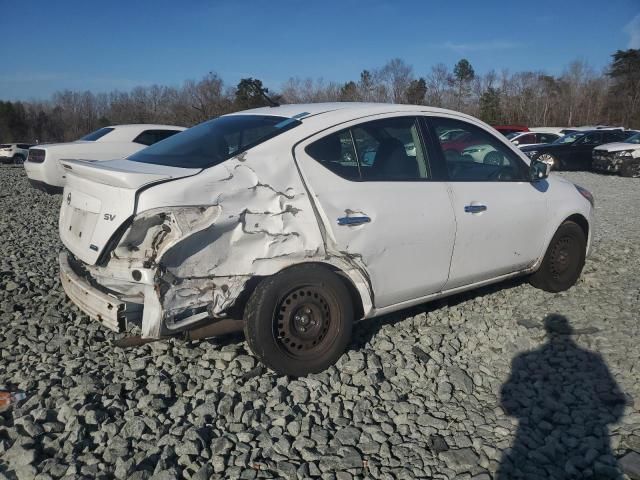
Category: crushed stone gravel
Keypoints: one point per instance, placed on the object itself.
(458, 388)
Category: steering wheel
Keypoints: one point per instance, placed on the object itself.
(502, 174)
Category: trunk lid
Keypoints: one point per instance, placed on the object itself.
(99, 197)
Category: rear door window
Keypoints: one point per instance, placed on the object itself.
(337, 153)
(547, 137)
(592, 138)
(381, 150)
(526, 139)
(149, 137)
(610, 137)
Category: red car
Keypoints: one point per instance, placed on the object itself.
(507, 129)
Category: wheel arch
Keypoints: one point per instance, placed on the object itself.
(356, 285)
(582, 222)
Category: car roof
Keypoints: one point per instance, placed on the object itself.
(317, 116)
(357, 108)
(145, 126)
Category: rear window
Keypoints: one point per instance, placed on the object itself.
(214, 141)
(93, 136)
(5, 146)
(149, 137)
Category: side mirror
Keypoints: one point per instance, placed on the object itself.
(516, 142)
(538, 170)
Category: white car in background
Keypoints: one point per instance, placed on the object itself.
(557, 130)
(538, 137)
(107, 143)
(273, 221)
(619, 157)
(14, 152)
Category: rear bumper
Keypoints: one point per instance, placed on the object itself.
(43, 176)
(107, 309)
(45, 187)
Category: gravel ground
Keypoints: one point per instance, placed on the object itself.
(462, 388)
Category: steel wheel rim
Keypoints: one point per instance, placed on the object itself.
(303, 326)
(548, 159)
(561, 257)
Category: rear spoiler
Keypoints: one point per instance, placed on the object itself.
(123, 173)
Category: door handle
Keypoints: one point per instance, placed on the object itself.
(351, 221)
(474, 208)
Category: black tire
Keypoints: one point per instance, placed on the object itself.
(563, 261)
(18, 159)
(630, 168)
(300, 320)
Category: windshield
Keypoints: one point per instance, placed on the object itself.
(633, 139)
(93, 136)
(572, 137)
(214, 141)
(513, 135)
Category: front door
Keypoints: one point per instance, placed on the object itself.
(373, 188)
(500, 215)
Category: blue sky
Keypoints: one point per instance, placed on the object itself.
(100, 46)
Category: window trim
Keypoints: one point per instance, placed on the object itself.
(417, 118)
(442, 160)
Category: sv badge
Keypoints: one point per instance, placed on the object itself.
(109, 217)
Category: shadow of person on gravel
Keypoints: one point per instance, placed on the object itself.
(564, 398)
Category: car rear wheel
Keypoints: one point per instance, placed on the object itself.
(300, 320)
(563, 261)
(18, 159)
(549, 159)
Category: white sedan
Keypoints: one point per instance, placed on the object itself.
(273, 221)
(107, 143)
(538, 137)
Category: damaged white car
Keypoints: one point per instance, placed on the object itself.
(621, 157)
(293, 222)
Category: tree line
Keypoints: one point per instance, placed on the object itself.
(578, 96)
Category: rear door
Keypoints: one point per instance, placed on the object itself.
(376, 193)
(500, 215)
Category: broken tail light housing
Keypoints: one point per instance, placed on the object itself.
(36, 155)
(586, 194)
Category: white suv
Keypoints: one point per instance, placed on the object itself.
(14, 152)
(299, 220)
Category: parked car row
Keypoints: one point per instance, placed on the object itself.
(597, 147)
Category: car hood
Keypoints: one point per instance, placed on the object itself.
(618, 147)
